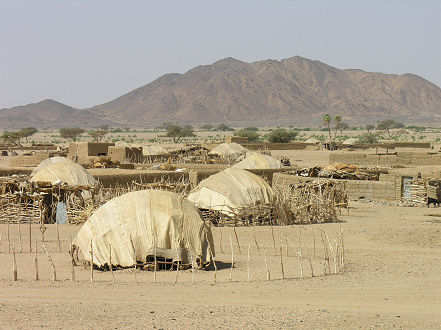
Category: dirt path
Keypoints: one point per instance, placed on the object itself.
(391, 280)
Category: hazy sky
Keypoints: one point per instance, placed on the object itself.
(84, 53)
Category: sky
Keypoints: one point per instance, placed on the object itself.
(84, 53)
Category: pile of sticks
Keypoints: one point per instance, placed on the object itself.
(418, 192)
(259, 214)
(310, 202)
(20, 208)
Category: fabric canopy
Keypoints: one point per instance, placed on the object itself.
(256, 160)
(135, 223)
(68, 172)
(231, 189)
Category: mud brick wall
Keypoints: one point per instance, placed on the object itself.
(280, 146)
(120, 154)
(96, 148)
(78, 151)
(28, 161)
(388, 188)
(400, 158)
(83, 150)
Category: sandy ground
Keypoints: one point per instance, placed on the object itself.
(391, 280)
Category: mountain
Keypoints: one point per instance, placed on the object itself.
(294, 91)
(50, 114)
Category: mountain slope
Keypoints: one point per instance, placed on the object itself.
(294, 90)
(48, 113)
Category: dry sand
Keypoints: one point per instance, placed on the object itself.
(391, 280)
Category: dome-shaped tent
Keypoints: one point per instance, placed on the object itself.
(256, 160)
(312, 140)
(72, 174)
(134, 223)
(350, 141)
(50, 161)
(153, 150)
(228, 150)
(229, 190)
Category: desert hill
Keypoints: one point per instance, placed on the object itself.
(48, 113)
(291, 91)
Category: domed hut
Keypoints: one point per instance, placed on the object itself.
(67, 172)
(153, 150)
(256, 160)
(50, 161)
(140, 222)
(231, 191)
(232, 149)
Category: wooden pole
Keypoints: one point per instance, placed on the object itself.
(281, 264)
(248, 262)
(268, 276)
(342, 248)
(192, 269)
(156, 264)
(91, 262)
(54, 273)
(299, 258)
(215, 267)
(110, 263)
(274, 241)
(58, 236)
(9, 242)
(36, 263)
(177, 264)
(220, 243)
(286, 247)
(237, 238)
(232, 259)
(72, 261)
(14, 265)
(30, 236)
(19, 234)
(255, 239)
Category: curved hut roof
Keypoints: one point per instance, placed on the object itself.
(256, 160)
(153, 150)
(68, 172)
(350, 141)
(312, 140)
(231, 189)
(134, 223)
(50, 161)
(228, 149)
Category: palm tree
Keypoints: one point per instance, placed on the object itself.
(337, 120)
(327, 122)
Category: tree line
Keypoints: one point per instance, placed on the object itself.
(279, 135)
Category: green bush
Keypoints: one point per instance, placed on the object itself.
(251, 135)
(281, 135)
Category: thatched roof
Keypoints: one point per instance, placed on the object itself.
(134, 223)
(231, 189)
(228, 149)
(256, 160)
(72, 174)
